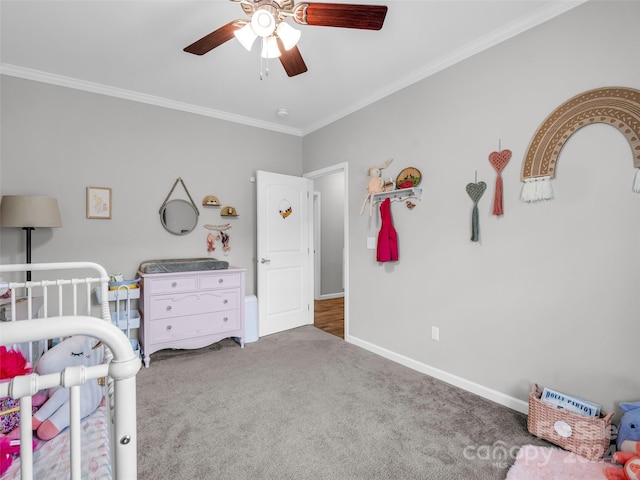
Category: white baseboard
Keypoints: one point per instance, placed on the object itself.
(485, 392)
(327, 296)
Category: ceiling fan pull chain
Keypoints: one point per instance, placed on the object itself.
(264, 62)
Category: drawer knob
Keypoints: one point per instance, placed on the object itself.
(220, 280)
(174, 284)
(225, 319)
(168, 327)
(225, 301)
(169, 307)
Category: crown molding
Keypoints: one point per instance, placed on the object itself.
(506, 32)
(62, 81)
(479, 45)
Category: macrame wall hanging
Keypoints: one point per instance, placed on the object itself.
(615, 106)
(222, 235)
(498, 161)
(475, 191)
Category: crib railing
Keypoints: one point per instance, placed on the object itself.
(120, 367)
(40, 297)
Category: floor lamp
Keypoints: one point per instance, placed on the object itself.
(29, 212)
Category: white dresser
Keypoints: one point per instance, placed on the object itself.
(190, 309)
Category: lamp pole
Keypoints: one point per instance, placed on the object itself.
(28, 230)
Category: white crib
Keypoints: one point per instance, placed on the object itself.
(66, 306)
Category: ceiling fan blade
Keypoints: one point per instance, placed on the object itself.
(345, 15)
(291, 60)
(215, 38)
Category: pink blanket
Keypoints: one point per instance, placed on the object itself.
(546, 463)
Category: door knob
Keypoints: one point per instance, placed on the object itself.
(265, 260)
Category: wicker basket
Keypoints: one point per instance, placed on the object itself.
(589, 437)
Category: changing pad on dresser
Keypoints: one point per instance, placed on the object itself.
(182, 265)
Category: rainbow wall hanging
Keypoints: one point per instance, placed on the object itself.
(616, 106)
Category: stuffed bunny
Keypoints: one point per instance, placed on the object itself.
(375, 184)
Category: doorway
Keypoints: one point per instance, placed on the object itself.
(331, 258)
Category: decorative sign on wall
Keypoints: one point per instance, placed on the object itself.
(285, 208)
(615, 106)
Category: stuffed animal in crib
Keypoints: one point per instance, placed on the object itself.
(53, 415)
(375, 185)
(12, 364)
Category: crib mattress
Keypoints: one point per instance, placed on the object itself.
(182, 265)
(51, 458)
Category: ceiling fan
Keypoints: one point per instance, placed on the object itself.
(267, 20)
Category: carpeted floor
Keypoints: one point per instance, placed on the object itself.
(304, 404)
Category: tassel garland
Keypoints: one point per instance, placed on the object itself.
(497, 198)
(475, 192)
(475, 224)
(498, 161)
(536, 189)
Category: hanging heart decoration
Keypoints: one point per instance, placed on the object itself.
(499, 160)
(475, 191)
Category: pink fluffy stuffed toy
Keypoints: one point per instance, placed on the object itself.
(12, 364)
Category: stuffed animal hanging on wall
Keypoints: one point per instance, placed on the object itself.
(375, 185)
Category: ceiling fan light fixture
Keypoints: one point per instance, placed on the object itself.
(288, 35)
(246, 36)
(270, 47)
(263, 23)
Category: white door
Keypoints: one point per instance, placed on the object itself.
(285, 268)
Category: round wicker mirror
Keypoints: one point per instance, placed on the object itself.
(179, 217)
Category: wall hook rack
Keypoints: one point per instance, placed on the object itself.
(398, 195)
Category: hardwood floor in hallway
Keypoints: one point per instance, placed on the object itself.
(329, 315)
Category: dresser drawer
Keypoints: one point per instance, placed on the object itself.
(169, 306)
(175, 329)
(171, 285)
(209, 282)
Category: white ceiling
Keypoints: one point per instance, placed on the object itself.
(133, 49)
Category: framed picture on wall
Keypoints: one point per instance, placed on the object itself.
(98, 202)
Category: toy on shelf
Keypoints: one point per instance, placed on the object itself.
(376, 184)
(210, 201)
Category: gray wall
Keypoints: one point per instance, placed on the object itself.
(548, 295)
(331, 188)
(57, 141)
(550, 292)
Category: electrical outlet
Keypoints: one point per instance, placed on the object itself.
(371, 243)
(435, 334)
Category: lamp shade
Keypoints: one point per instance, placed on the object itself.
(270, 48)
(246, 36)
(288, 35)
(29, 211)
